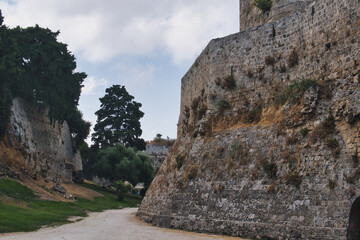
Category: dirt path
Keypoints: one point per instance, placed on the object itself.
(109, 225)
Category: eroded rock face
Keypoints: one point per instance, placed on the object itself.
(265, 156)
(251, 16)
(41, 147)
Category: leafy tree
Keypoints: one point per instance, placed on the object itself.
(118, 120)
(158, 138)
(121, 163)
(9, 71)
(79, 128)
(38, 68)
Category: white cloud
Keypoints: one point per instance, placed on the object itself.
(133, 76)
(91, 84)
(103, 30)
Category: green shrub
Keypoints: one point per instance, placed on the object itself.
(122, 189)
(280, 98)
(263, 5)
(201, 111)
(179, 161)
(270, 168)
(303, 85)
(228, 83)
(294, 91)
(239, 152)
(304, 132)
(253, 115)
(222, 105)
(332, 143)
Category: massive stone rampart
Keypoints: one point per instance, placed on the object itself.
(35, 146)
(251, 16)
(265, 156)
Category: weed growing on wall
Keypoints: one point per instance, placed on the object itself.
(222, 105)
(294, 91)
(179, 161)
(263, 5)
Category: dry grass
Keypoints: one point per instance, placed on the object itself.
(13, 202)
(269, 116)
(42, 188)
(10, 157)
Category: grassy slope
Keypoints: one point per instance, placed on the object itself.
(40, 212)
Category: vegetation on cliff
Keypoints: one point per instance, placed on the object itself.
(38, 68)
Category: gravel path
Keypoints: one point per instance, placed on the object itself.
(109, 225)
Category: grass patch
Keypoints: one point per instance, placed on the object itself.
(294, 91)
(41, 212)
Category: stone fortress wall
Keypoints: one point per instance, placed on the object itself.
(250, 16)
(158, 153)
(42, 148)
(230, 175)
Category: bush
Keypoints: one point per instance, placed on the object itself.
(195, 104)
(293, 59)
(239, 152)
(179, 161)
(303, 85)
(332, 143)
(326, 128)
(280, 98)
(304, 132)
(294, 91)
(263, 5)
(201, 111)
(222, 105)
(229, 83)
(270, 168)
(192, 172)
(293, 178)
(253, 115)
(122, 189)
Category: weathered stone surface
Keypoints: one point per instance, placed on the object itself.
(251, 16)
(39, 146)
(158, 153)
(252, 169)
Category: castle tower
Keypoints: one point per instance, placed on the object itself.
(251, 16)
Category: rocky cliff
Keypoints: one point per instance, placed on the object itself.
(34, 146)
(268, 134)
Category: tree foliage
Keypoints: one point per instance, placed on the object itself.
(118, 120)
(121, 163)
(38, 68)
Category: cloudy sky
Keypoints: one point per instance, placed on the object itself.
(145, 45)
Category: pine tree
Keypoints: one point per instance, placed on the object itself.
(118, 120)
